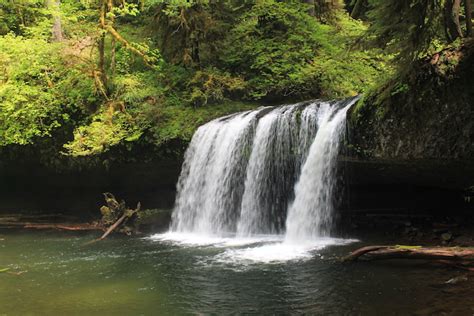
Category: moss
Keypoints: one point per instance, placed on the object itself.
(426, 112)
(180, 122)
(407, 247)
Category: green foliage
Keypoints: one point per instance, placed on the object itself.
(405, 28)
(180, 122)
(130, 9)
(35, 89)
(413, 29)
(133, 107)
(180, 64)
(285, 52)
(212, 86)
(107, 129)
(407, 247)
(173, 8)
(276, 40)
(18, 14)
(343, 70)
(399, 88)
(193, 33)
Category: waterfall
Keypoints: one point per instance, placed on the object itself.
(270, 174)
(209, 188)
(310, 214)
(261, 172)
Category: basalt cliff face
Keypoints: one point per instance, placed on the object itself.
(415, 136)
(428, 113)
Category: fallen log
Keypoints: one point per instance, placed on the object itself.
(362, 251)
(63, 226)
(455, 256)
(127, 213)
(115, 225)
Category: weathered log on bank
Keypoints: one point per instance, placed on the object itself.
(64, 226)
(46, 221)
(455, 256)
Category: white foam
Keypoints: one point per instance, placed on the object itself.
(196, 240)
(256, 249)
(279, 252)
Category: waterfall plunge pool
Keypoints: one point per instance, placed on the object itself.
(166, 275)
(258, 173)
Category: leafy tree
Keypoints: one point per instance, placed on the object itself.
(37, 93)
(284, 52)
(108, 73)
(413, 28)
(15, 16)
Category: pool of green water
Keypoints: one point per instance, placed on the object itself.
(142, 276)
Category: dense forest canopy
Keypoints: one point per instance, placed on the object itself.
(78, 78)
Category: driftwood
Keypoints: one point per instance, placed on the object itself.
(63, 226)
(113, 208)
(455, 256)
(114, 226)
(45, 221)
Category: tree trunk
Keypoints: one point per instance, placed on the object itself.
(112, 56)
(56, 30)
(22, 17)
(455, 16)
(195, 53)
(468, 9)
(320, 8)
(103, 74)
(311, 7)
(110, 7)
(451, 19)
(357, 10)
(109, 28)
(325, 9)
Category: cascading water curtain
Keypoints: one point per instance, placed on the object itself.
(240, 172)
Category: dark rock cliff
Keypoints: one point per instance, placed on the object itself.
(411, 143)
(427, 113)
